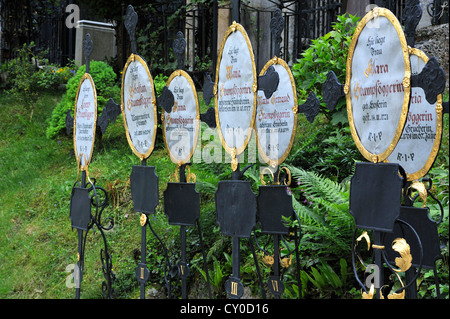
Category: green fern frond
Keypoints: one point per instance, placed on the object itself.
(318, 186)
(327, 217)
(307, 215)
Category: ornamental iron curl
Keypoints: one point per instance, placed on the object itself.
(84, 219)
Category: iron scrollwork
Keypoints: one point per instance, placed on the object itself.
(97, 198)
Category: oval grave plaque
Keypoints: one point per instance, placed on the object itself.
(85, 118)
(181, 125)
(377, 84)
(421, 138)
(235, 90)
(139, 106)
(276, 117)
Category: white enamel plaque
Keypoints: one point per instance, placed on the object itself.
(276, 117)
(421, 138)
(139, 106)
(181, 125)
(235, 90)
(378, 84)
(85, 118)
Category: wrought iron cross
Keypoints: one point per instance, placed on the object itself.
(411, 17)
(276, 27)
(130, 23)
(179, 45)
(88, 46)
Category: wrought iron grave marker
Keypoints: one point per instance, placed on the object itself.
(181, 126)
(140, 121)
(86, 193)
(276, 122)
(235, 98)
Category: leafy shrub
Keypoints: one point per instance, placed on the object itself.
(160, 81)
(31, 72)
(23, 76)
(326, 53)
(329, 151)
(105, 83)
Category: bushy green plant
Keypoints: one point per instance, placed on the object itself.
(160, 82)
(326, 53)
(24, 76)
(329, 150)
(105, 84)
(32, 72)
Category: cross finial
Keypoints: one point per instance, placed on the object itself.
(411, 17)
(276, 27)
(130, 22)
(88, 46)
(179, 45)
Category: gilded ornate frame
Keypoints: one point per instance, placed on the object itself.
(437, 141)
(85, 76)
(233, 151)
(375, 13)
(197, 118)
(134, 58)
(275, 60)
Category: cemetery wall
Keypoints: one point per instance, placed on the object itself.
(434, 41)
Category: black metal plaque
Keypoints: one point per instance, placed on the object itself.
(375, 195)
(427, 231)
(182, 204)
(235, 208)
(144, 189)
(273, 203)
(80, 208)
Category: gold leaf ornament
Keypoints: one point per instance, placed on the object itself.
(404, 262)
(371, 293)
(268, 260)
(420, 187)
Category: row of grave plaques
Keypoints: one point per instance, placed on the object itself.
(382, 77)
(236, 90)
